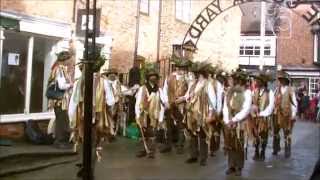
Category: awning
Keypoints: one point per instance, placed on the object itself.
(9, 23)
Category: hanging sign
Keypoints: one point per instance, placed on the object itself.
(81, 22)
(13, 59)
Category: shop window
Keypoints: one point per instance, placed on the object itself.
(13, 73)
(13, 84)
(38, 82)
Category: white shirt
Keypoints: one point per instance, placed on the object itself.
(165, 88)
(139, 99)
(294, 102)
(269, 109)
(61, 79)
(212, 98)
(219, 91)
(243, 112)
(109, 92)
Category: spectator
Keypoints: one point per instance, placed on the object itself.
(312, 110)
(134, 79)
(59, 76)
(318, 108)
(304, 105)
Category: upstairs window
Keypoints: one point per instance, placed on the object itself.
(144, 6)
(183, 10)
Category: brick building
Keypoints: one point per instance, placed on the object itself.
(289, 42)
(32, 32)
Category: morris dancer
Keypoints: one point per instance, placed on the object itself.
(236, 108)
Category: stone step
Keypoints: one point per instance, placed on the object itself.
(24, 162)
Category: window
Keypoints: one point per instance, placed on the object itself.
(21, 81)
(144, 6)
(249, 51)
(267, 50)
(314, 85)
(183, 10)
(257, 50)
(254, 51)
(241, 52)
(13, 73)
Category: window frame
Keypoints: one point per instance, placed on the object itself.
(148, 8)
(182, 18)
(313, 85)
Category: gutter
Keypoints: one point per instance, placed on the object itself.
(159, 31)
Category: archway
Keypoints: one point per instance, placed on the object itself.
(215, 8)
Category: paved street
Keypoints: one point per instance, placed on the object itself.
(119, 163)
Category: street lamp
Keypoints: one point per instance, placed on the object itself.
(89, 55)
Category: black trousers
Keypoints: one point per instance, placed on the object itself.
(150, 140)
(215, 138)
(234, 147)
(287, 131)
(198, 146)
(261, 141)
(62, 128)
(175, 128)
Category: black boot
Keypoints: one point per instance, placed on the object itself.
(151, 155)
(256, 152)
(141, 154)
(262, 155)
(230, 171)
(237, 172)
(180, 150)
(256, 155)
(287, 150)
(165, 149)
(203, 162)
(191, 160)
(276, 145)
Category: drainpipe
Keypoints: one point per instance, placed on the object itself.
(159, 31)
(74, 11)
(1, 49)
(159, 34)
(262, 34)
(137, 31)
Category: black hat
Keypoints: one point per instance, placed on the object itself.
(109, 71)
(152, 72)
(264, 77)
(63, 56)
(211, 69)
(240, 75)
(283, 75)
(181, 62)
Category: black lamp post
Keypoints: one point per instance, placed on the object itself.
(89, 54)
